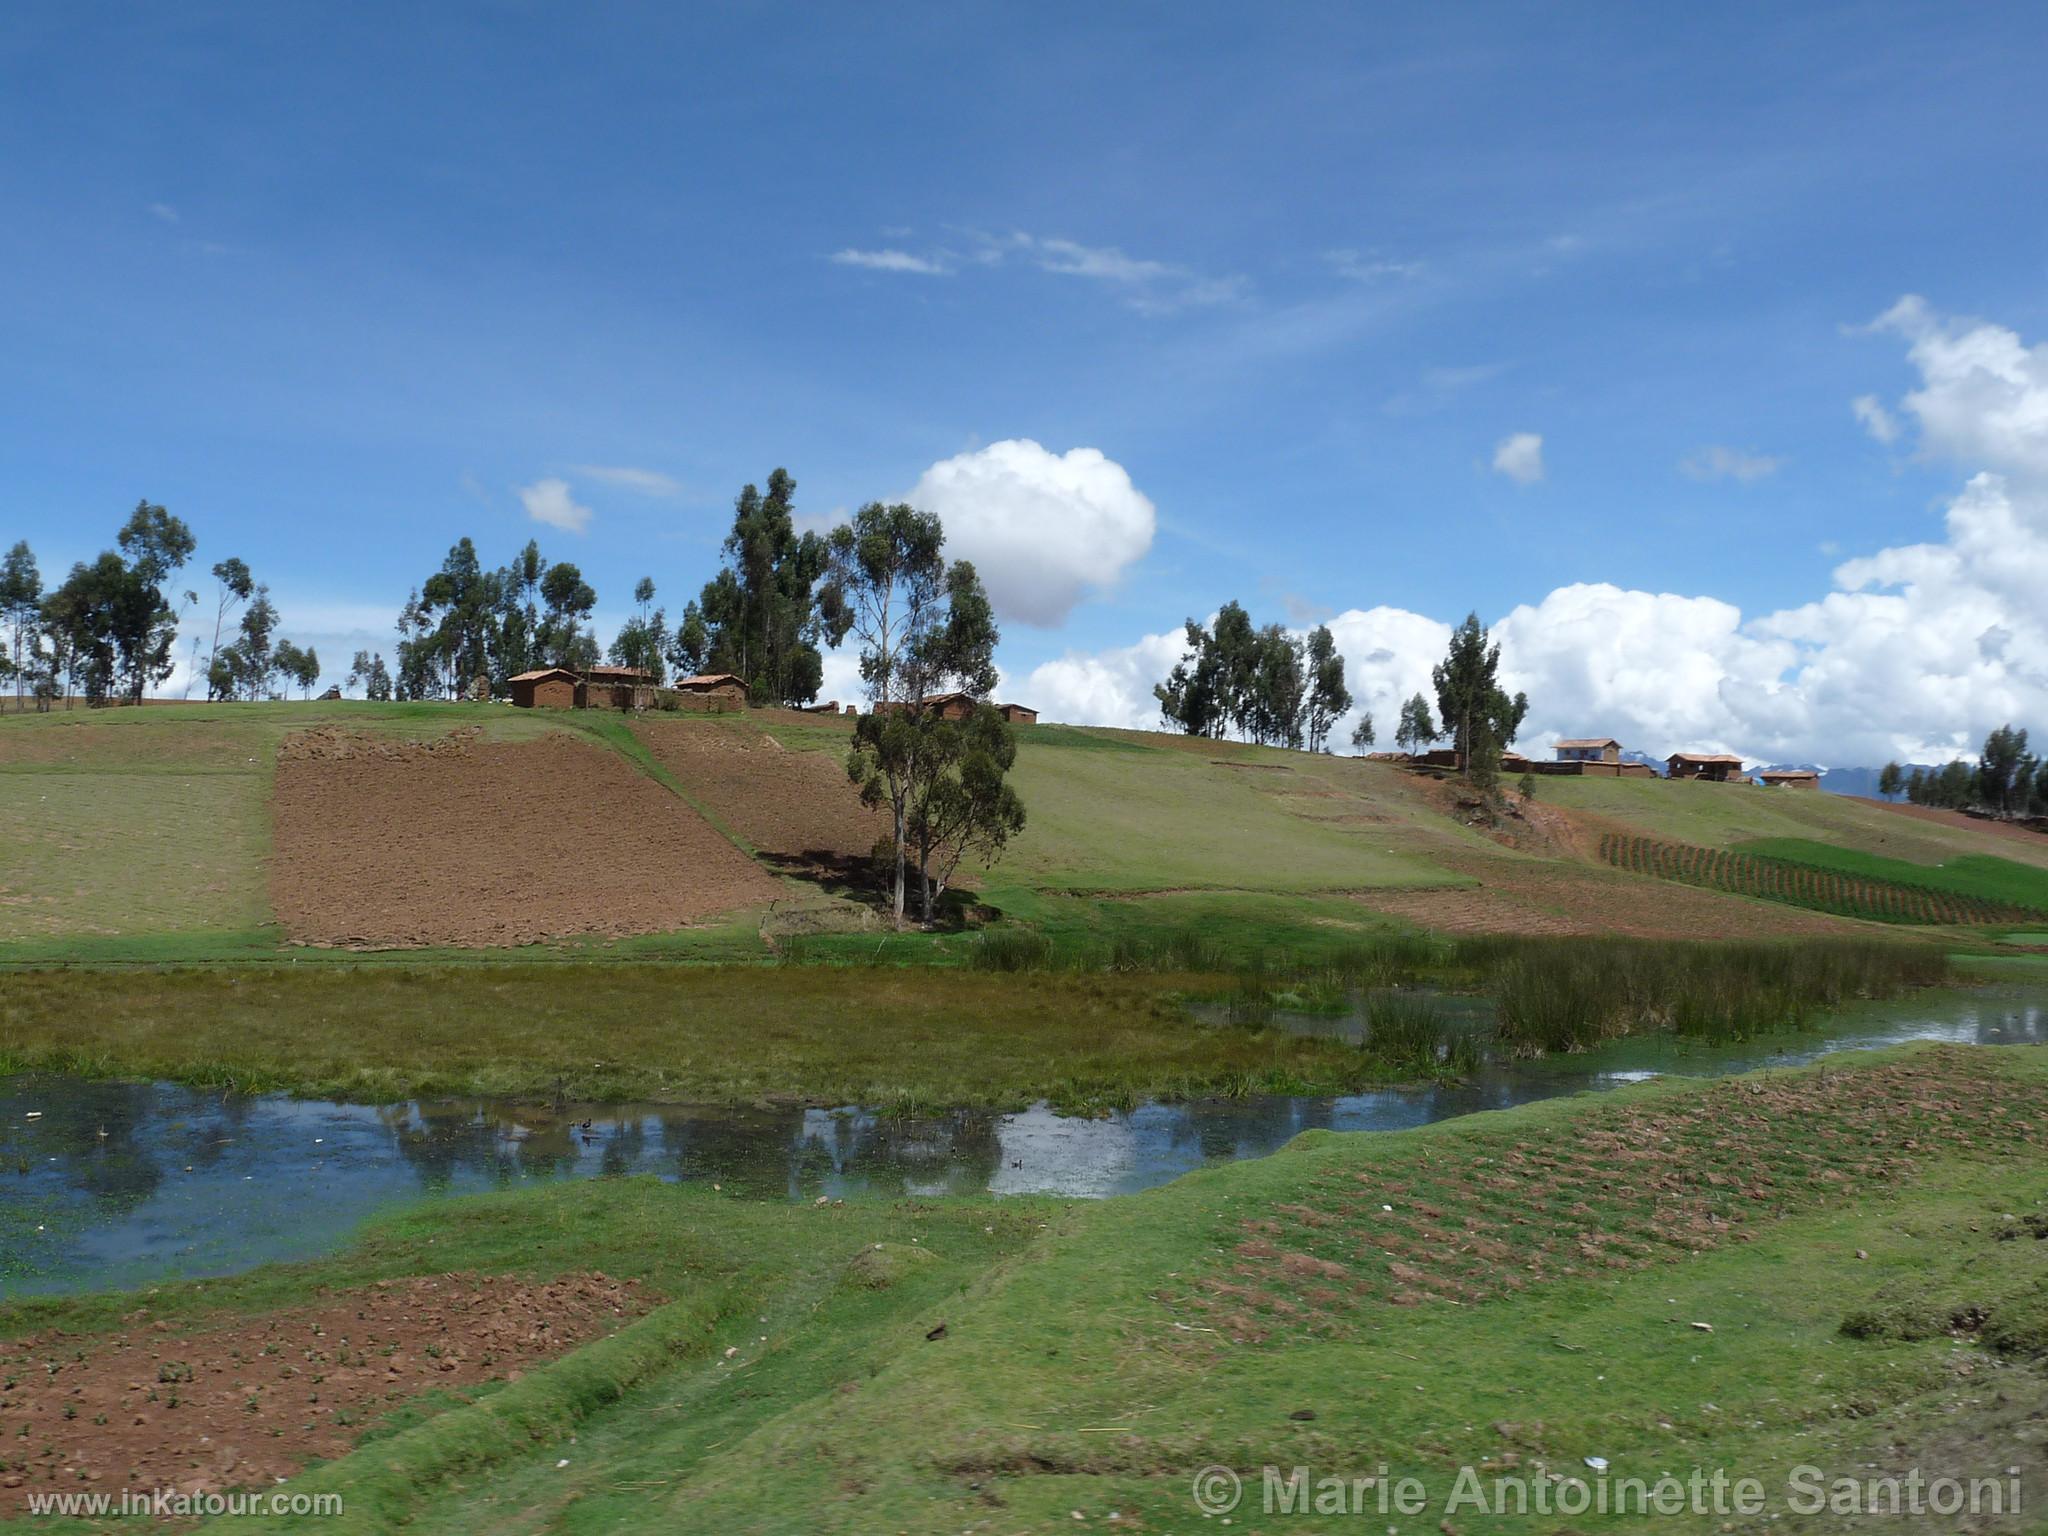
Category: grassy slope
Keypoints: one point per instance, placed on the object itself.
(1061, 1383)
(1971, 874)
(144, 831)
(1720, 815)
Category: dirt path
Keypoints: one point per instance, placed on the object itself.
(461, 841)
(244, 1403)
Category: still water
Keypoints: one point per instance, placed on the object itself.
(106, 1184)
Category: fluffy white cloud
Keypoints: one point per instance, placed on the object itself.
(1983, 395)
(1042, 528)
(548, 501)
(1519, 456)
(1916, 652)
(1112, 687)
(1716, 462)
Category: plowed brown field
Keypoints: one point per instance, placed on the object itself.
(460, 841)
(248, 1401)
(797, 808)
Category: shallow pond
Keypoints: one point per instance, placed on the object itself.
(106, 1184)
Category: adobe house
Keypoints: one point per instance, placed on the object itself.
(1714, 767)
(615, 688)
(712, 690)
(1018, 714)
(1589, 749)
(546, 688)
(1789, 778)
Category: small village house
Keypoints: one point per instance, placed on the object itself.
(1590, 749)
(711, 690)
(1789, 778)
(546, 688)
(616, 688)
(1714, 767)
(1019, 714)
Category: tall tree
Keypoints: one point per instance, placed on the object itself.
(965, 808)
(1890, 780)
(298, 664)
(766, 613)
(1416, 730)
(1192, 697)
(1328, 697)
(643, 640)
(21, 602)
(233, 584)
(1476, 712)
(924, 628)
(569, 599)
(2005, 771)
(1362, 733)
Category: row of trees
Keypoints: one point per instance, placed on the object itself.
(2006, 780)
(1279, 689)
(108, 630)
(1267, 685)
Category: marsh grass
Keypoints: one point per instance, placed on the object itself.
(1567, 995)
(1418, 1034)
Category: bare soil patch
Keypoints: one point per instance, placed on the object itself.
(248, 1401)
(381, 842)
(1523, 896)
(796, 808)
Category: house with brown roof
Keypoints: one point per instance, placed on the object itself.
(546, 688)
(1714, 767)
(1589, 749)
(1789, 778)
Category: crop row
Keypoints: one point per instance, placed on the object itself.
(1800, 885)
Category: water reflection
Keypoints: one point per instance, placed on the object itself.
(110, 1184)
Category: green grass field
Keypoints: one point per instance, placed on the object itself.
(1971, 874)
(1720, 815)
(1797, 1268)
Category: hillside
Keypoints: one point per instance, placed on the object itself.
(217, 831)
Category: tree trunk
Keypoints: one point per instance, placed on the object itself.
(897, 809)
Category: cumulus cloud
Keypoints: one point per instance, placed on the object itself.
(1519, 456)
(1715, 462)
(1112, 687)
(1914, 653)
(548, 501)
(643, 482)
(1042, 528)
(1983, 395)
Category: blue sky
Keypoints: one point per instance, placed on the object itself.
(336, 284)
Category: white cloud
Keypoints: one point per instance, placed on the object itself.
(1715, 462)
(1043, 529)
(1875, 419)
(892, 261)
(548, 501)
(1112, 687)
(1519, 456)
(1983, 396)
(1146, 285)
(644, 482)
(1914, 654)
(165, 212)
